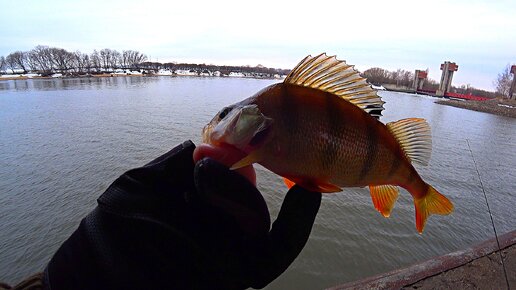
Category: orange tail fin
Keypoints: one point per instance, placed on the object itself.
(432, 203)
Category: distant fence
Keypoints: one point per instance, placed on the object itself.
(455, 95)
(427, 91)
(466, 97)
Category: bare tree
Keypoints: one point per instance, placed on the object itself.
(503, 81)
(17, 60)
(86, 63)
(407, 78)
(62, 60)
(2, 64)
(132, 59)
(115, 59)
(81, 62)
(32, 61)
(40, 59)
(11, 63)
(376, 75)
(95, 60)
(109, 59)
(104, 55)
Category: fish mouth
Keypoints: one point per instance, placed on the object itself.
(244, 128)
(206, 133)
(209, 138)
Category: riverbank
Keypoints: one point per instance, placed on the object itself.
(501, 107)
(27, 77)
(477, 267)
(104, 75)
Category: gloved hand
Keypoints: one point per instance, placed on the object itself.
(179, 225)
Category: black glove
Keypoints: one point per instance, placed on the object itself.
(178, 225)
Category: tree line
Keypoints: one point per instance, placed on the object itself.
(259, 70)
(380, 76)
(47, 60)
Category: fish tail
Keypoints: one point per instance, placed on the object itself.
(430, 203)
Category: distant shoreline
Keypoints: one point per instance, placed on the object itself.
(109, 75)
(500, 107)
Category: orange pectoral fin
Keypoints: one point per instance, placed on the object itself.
(312, 185)
(289, 183)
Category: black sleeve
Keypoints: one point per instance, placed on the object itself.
(154, 228)
(273, 252)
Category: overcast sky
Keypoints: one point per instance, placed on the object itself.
(480, 36)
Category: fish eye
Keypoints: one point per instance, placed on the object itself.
(224, 112)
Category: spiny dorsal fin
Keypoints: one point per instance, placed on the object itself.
(328, 74)
(414, 137)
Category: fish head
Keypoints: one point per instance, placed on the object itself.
(240, 125)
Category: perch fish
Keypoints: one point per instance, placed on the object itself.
(320, 129)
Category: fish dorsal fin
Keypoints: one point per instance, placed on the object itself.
(414, 137)
(328, 74)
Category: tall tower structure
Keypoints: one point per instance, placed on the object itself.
(419, 79)
(512, 90)
(448, 69)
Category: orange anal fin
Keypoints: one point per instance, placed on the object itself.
(432, 203)
(384, 197)
(312, 185)
(288, 182)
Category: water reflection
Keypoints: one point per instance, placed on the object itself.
(86, 83)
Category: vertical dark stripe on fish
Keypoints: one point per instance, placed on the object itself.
(291, 114)
(395, 165)
(330, 149)
(412, 177)
(372, 147)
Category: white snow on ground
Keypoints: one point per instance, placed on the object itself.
(164, 72)
(184, 72)
(119, 72)
(122, 72)
(507, 106)
(236, 74)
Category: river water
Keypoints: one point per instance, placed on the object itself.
(63, 141)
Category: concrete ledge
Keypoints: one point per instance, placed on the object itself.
(407, 276)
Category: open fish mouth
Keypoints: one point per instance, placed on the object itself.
(243, 127)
